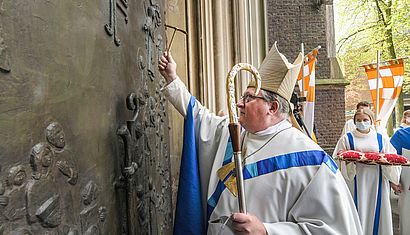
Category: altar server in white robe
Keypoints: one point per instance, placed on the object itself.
(371, 182)
(401, 141)
(291, 185)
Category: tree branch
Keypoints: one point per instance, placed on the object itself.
(343, 40)
(367, 47)
(382, 1)
(380, 12)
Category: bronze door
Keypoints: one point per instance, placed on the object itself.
(83, 125)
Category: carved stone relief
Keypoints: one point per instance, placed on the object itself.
(52, 168)
(92, 215)
(111, 27)
(36, 198)
(54, 182)
(152, 39)
(132, 161)
(14, 208)
(145, 179)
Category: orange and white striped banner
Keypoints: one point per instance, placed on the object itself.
(307, 89)
(391, 75)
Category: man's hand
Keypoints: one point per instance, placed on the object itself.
(167, 67)
(129, 171)
(64, 168)
(397, 188)
(247, 224)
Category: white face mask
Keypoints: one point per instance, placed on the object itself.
(363, 126)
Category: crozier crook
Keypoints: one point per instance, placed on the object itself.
(234, 126)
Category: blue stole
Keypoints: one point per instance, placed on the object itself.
(270, 165)
(379, 190)
(188, 213)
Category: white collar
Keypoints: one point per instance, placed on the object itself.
(275, 128)
(404, 125)
(363, 135)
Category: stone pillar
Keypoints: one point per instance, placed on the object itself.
(220, 34)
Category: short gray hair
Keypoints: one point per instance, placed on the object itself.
(284, 107)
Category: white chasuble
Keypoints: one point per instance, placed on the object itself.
(291, 184)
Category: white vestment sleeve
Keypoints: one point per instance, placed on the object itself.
(208, 126)
(392, 173)
(324, 207)
(346, 127)
(339, 147)
(178, 95)
(210, 130)
(348, 169)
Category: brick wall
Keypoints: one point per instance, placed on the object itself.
(292, 22)
(329, 115)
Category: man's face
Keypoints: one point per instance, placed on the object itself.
(19, 178)
(88, 194)
(55, 135)
(253, 111)
(46, 157)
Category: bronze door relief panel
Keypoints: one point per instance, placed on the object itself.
(83, 124)
(36, 197)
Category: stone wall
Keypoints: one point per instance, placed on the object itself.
(292, 22)
(329, 115)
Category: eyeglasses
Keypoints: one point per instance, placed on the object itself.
(248, 97)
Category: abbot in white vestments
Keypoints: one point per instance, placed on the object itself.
(291, 184)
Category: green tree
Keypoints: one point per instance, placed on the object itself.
(365, 26)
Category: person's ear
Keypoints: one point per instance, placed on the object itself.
(274, 107)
